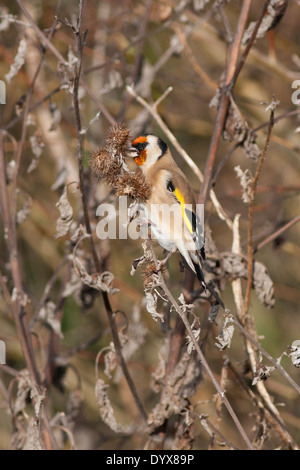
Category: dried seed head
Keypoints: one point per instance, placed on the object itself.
(108, 163)
(99, 161)
(149, 275)
(118, 137)
(141, 190)
(114, 172)
(103, 165)
(133, 185)
(123, 185)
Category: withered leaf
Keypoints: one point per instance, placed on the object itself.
(275, 12)
(33, 436)
(263, 285)
(73, 405)
(246, 182)
(236, 126)
(143, 259)
(37, 147)
(151, 306)
(47, 314)
(199, 4)
(98, 281)
(184, 436)
(250, 146)
(23, 213)
(236, 266)
(5, 18)
(262, 372)
(73, 286)
(181, 384)
(190, 344)
(55, 116)
(106, 409)
(18, 61)
(23, 392)
(110, 361)
(136, 336)
(295, 353)
(213, 313)
(65, 220)
(226, 334)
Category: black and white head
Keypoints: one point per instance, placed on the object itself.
(147, 149)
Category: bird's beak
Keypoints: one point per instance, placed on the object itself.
(132, 152)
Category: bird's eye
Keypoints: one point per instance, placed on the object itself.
(170, 186)
(141, 146)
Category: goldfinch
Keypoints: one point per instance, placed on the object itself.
(171, 209)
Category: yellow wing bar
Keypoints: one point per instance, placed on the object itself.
(180, 199)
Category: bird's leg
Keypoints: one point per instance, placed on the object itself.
(161, 263)
(137, 212)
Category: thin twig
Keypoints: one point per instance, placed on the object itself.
(177, 12)
(80, 137)
(215, 430)
(226, 22)
(276, 234)
(267, 406)
(200, 354)
(250, 42)
(233, 69)
(98, 103)
(177, 335)
(273, 361)
(224, 161)
(18, 305)
(250, 217)
(284, 115)
(17, 119)
(4, 288)
(274, 421)
(224, 101)
(138, 59)
(202, 74)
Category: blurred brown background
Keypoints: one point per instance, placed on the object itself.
(130, 42)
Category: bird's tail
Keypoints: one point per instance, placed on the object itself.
(197, 263)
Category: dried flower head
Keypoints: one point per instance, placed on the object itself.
(150, 275)
(108, 163)
(118, 137)
(100, 162)
(134, 185)
(141, 190)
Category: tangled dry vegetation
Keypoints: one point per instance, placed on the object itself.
(105, 350)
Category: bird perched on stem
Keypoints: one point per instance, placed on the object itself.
(176, 221)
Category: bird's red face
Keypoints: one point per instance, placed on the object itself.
(140, 144)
